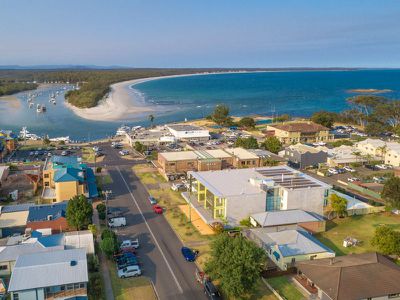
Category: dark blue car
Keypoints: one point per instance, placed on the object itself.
(189, 254)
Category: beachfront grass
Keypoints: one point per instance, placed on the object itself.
(285, 288)
(360, 227)
(88, 155)
(130, 288)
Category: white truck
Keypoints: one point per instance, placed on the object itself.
(116, 222)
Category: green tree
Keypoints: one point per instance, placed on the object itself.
(282, 118)
(139, 147)
(387, 240)
(324, 118)
(247, 122)
(272, 144)
(391, 192)
(46, 141)
(95, 286)
(247, 143)
(338, 205)
(93, 229)
(79, 212)
(236, 263)
(151, 119)
(101, 209)
(109, 242)
(221, 115)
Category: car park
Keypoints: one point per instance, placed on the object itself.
(371, 167)
(116, 222)
(157, 209)
(189, 254)
(349, 169)
(152, 200)
(129, 271)
(129, 244)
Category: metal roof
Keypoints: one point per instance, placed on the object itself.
(15, 208)
(54, 268)
(291, 242)
(184, 127)
(284, 217)
(11, 253)
(39, 213)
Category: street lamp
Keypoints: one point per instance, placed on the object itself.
(107, 193)
(190, 198)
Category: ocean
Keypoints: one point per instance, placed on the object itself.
(264, 93)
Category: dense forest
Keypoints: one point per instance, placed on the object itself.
(94, 83)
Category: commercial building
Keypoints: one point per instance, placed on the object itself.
(13, 219)
(302, 156)
(48, 216)
(389, 152)
(299, 132)
(59, 274)
(351, 277)
(234, 194)
(173, 164)
(65, 177)
(343, 156)
(280, 220)
(287, 247)
(186, 132)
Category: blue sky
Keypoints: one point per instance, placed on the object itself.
(202, 33)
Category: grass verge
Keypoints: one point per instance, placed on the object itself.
(285, 288)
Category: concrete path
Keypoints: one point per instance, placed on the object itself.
(103, 260)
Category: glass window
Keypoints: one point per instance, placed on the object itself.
(82, 285)
(76, 286)
(15, 296)
(3, 267)
(70, 287)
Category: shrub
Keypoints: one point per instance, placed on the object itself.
(95, 287)
(98, 169)
(245, 222)
(93, 263)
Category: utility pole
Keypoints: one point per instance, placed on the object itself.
(190, 198)
(106, 193)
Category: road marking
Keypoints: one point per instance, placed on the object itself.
(151, 232)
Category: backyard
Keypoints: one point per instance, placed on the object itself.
(361, 228)
(285, 288)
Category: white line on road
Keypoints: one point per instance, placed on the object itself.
(151, 232)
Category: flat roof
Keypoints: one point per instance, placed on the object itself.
(48, 269)
(304, 148)
(179, 155)
(233, 182)
(304, 127)
(284, 217)
(197, 154)
(291, 242)
(241, 153)
(184, 127)
(218, 153)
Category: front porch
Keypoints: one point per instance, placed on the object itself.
(205, 214)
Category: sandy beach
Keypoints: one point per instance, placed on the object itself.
(122, 103)
(11, 100)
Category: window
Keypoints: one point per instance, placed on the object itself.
(47, 184)
(15, 296)
(394, 296)
(293, 260)
(3, 267)
(76, 286)
(82, 285)
(70, 287)
(312, 257)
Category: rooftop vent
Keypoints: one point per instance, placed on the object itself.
(49, 217)
(73, 263)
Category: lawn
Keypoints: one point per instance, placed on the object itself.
(130, 288)
(360, 227)
(285, 288)
(88, 155)
(103, 180)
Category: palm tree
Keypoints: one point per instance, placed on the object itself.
(151, 119)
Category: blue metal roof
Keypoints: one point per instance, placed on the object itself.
(70, 161)
(52, 240)
(41, 212)
(16, 208)
(92, 186)
(68, 174)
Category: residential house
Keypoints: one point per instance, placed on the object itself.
(13, 218)
(299, 132)
(59, 274)
(187, 132)
(243, 158)
(287, 247)
(48, 216)
(351, 277)
(302, 156)
(4, 171)
(343, 156)
(377, 149)
(280, 220)
(65, 177)
(234, 194)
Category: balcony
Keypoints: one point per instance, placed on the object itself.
(66, 294)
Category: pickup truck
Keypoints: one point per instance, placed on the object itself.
(126, 244)
(117, 222)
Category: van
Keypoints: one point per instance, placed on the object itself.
(116, 222)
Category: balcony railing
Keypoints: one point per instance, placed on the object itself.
(67, 293)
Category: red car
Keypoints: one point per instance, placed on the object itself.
(157, 209)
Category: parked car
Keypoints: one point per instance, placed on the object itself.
(177, 186)
(333, 171)
(341, 170)
(157, 209)
(129, 244)
(126, 262)
(349, 169)
(381, 167)
(129, 271)
(211, 291)
(64, 153)
(123, 152)
(117, 222)
(352, 179)
(378, 179)
(189, 254)
(371, 167)
(152, 200)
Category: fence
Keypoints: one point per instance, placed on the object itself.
(364, 191)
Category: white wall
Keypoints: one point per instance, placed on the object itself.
(37, 294)
(240, 207)
(306, 199)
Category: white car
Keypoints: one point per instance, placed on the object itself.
(349, 169)
(129, 271)
(130, 244)
(333, 171)
(123, 152)
(352, 179)
(382, 167)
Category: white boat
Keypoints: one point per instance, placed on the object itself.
(122, 130)
(30, 105)
(38, 108)
(25, 134)
(60, 139)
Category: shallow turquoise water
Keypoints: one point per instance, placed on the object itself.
(296, 93)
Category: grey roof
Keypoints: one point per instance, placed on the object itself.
(284, 217)
(235, 182)
(291, 242)
(15, 208)
(11, 253)
(184, 127)
(49, 269)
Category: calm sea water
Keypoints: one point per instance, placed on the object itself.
(296, 93)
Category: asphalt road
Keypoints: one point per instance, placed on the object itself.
(159, 250)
